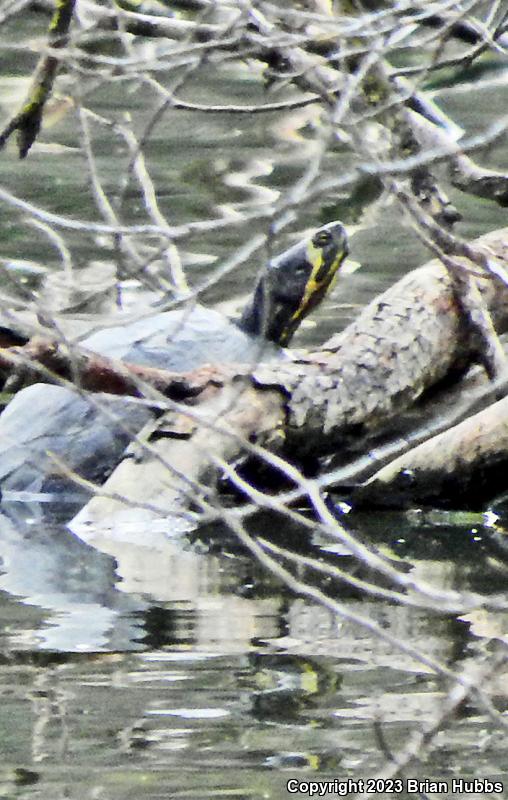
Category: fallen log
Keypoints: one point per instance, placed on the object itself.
(405, 342)
(462, 465)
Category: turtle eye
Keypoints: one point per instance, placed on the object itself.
(322, 238)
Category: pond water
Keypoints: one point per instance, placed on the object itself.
(180, 668)
(186, 671)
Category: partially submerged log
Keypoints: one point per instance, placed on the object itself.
(469, 461)
(405, 342)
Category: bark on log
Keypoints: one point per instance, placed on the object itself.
(403, 343)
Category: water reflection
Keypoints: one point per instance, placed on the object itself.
(204, 590)
(208, 660)
(72, 584)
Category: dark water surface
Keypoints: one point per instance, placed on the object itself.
(179, 668)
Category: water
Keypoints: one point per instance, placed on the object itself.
(185, 670)
(178, 667)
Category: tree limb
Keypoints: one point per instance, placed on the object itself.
(28, 120)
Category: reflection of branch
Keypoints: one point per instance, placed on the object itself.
(434, 597)
(341, 609)
(473, 682)
(412, 592)
(468, 685)
(28, 120)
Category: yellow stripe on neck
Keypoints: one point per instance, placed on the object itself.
(315, 282)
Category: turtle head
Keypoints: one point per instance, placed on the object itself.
(294, 283)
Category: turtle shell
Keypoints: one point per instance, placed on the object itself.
(182, 340)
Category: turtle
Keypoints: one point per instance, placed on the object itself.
(90, 433)
(288, 289)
